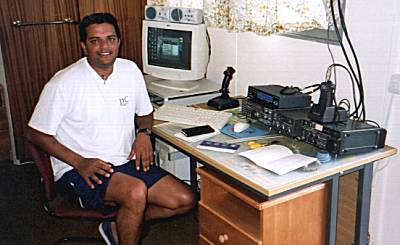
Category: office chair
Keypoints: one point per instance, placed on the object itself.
(60, 203)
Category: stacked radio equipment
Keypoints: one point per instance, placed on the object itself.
(287, 110)
(330, 128)
(282, 109)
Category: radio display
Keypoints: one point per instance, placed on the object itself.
(264, 97)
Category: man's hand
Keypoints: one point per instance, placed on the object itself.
(89, 167)
(143, 150)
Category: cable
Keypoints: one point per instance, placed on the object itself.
(356, 78)
(346, 102)
(373, 122)
(355, 113)
(344, 50)
(330, 51)
(361, 89)
(316, 85)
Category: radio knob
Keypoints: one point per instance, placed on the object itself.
(254, 114)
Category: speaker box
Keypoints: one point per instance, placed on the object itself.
(158, 13)
(186, 15)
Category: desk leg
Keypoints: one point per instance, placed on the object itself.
(363, 205)
(333, 206)
(193, 175)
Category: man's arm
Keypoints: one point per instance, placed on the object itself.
(87, 167)
(142, 147)
(144, 121)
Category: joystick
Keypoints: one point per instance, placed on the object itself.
(223, 101)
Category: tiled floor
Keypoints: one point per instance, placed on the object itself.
(24, 222)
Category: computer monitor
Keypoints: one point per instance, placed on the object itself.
(176, 53)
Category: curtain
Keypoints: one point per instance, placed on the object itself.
(263, 17)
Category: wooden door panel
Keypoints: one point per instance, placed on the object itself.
(33, 53)
(129, 14)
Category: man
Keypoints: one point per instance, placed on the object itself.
(85, 119)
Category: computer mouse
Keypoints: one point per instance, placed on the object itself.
(240, 126)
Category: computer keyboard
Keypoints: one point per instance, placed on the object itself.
(192, 116)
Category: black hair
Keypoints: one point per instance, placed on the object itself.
(97, 18)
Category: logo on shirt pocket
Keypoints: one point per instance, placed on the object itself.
(124, 101)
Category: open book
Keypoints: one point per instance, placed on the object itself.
(277, 158)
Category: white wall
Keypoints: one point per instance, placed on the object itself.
(374, 31)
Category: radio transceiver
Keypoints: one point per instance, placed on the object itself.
(254, 111)
(278, 97)
(263, 104)
(289, 122)
(344, 137)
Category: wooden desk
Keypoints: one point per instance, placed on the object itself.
(262, 188)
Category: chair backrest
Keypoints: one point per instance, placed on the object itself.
(42, 161)
(61, 203)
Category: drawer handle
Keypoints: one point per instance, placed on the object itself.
(223, 238)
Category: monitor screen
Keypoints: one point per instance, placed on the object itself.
(177, 53)
(169, 48)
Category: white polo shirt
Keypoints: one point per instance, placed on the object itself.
(90, 116)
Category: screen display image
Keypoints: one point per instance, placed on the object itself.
(169, 48)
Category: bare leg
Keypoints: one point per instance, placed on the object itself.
(131, 194)
(168, 197)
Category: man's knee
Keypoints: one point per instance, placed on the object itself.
(135, 195)
(184, 202)
(188, 199)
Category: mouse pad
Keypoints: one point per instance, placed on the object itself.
(249, 132)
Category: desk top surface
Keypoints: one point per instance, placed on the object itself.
(257, 178)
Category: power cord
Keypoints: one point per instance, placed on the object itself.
(357, 105)
(357, 77)
(316, 87)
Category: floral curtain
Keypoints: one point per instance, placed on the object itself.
(260, 16)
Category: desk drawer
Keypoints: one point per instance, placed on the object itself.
(217, 231)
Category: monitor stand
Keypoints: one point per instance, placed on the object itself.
(183, 85)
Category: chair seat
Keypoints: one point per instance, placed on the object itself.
(65, 206)
(60, 203)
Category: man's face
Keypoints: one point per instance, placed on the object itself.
(101, 45)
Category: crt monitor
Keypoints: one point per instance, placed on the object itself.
(176, 53)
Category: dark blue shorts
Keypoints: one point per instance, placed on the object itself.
(94, 198)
